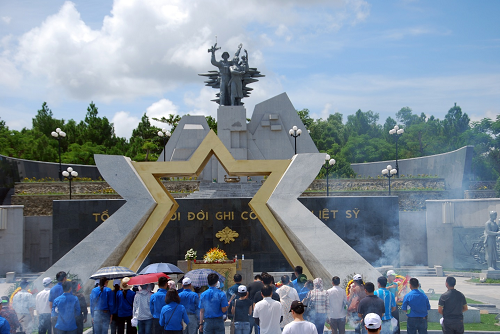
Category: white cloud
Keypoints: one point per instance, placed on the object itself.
(124, 123)
(160, 109)
(6, 19)
(145, 48)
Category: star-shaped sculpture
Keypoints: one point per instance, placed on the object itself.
(151, 172)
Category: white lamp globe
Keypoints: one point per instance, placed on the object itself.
(327, 157)
(385, 171)
(400, 131)
(74, 173)
(396, 127)
(389, 167)
(54, 134)
(393, 171)
(70, 169)
(168, 133)
(299, 131)
(65, 173)
(294, 128)
(58, 130)
(62, 134)
(160, 133)
(290, 132)
(332, 162)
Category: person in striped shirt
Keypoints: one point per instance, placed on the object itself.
(389, 303)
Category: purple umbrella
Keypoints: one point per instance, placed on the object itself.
(199, 276)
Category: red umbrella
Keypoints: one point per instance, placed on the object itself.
(145, 279)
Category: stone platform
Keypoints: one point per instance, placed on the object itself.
(471, 316)
(491, 274)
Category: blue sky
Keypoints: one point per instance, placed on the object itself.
(136, 56)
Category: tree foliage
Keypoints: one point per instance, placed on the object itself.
(361, 138)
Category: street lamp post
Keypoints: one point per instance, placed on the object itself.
(164, 134)
(59, 134)
(69, 174)
(398, 132)
(295, 132)
(388, 173)
(327, 166)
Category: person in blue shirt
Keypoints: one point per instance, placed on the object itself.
(213, 305)
(232, 292)
(191, 302)
(102, 304)
(4, 324)
(418, 305)
(389, 304)
(157, 303)
(173, 313)
(55, 292)
(125, 306)
(67, 307)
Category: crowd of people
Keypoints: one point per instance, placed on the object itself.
(291, 306)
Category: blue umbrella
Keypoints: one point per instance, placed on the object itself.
(199, 276)
(166, 268)
(113, 272)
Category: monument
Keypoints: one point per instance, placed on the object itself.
(491, 234)
(261, 148)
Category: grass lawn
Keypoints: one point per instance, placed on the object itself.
(488, 280)
(469, 301)
(487, 324)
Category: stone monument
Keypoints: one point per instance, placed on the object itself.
(232, 77)
(259, 148)
(491, 235)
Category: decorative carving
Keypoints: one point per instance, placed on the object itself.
(227, 235)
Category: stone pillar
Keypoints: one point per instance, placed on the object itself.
(232, 131)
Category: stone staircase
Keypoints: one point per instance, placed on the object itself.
(225, 190)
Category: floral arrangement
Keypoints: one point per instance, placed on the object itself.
(215, 255)
(190, 255)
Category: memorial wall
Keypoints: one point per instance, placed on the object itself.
(370, 225)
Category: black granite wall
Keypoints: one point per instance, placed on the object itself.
(368, 224)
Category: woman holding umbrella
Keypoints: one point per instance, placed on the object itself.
(125, 303)
(173, 313)
(101, 306)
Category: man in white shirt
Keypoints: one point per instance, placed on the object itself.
(268, 313)
(337, 311)
(299, 325)
(43, 307)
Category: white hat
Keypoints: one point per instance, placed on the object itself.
(124, 284)
(186, 281)
(242, 289)
(357, 277)
(373, 321)
(46, 281)
(391, 273)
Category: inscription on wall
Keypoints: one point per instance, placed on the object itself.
(365, 223)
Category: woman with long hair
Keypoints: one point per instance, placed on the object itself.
(101, 306)
(173, 313)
